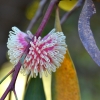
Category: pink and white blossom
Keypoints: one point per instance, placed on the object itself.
(45, 54)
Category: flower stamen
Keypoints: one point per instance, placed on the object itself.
(45, 54)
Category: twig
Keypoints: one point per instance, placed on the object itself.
(46, 17)
(15, 94)
(12, 83)
(66, 15)
(38, 14)
(11, 86)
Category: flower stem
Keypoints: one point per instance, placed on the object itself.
(67, 15)
(15, 94)
(46, 17)
(37, 15)
(16, 70)
(11, 86)
(12, 83)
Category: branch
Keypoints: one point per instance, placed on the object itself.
(67, 15)
(38, 14)
(15, 94)
(12, 83)
(46, 17)
(11, 86)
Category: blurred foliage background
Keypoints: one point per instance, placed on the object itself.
(19, 12)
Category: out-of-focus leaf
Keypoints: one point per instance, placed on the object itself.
(85, 32)
(64, 81)
(31, 10)
(47, 86)
(3, 71)
(57, 21)
(35, 90)
(67, 5)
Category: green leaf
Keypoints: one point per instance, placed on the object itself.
(35, 90)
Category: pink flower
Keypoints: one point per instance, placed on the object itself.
(45, 55)
(16, 44)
